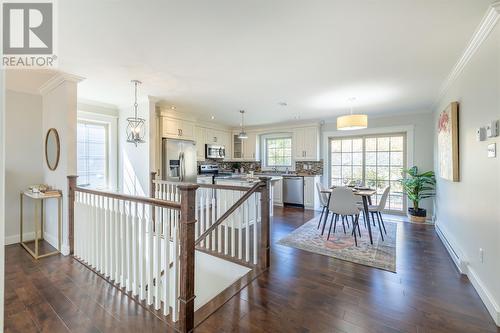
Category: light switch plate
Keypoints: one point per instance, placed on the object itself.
(492, 129)
(492, 150)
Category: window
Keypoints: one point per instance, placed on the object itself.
(375, 160)
(278, 152)
(92, 154)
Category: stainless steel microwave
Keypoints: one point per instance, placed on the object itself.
(215, 151)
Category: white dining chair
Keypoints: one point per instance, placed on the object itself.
(323, 199)
(343, 204)
(376, 210)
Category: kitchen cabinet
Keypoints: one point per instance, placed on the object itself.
(200, 137)
(311, 195)
(306, 143)
(177, 129)
(278, 192)
(219, 137)
(245, 149)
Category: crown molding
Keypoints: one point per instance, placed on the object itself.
(57, 80)
(488, 22)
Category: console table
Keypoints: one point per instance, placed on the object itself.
(39, 200)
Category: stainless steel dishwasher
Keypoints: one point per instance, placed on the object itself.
(293, 190)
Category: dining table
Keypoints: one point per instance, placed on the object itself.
(366, 197)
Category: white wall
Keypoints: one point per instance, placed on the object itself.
(468, 211)
(419, 128)
(60, 112)
(23, 159)
(134, 164)
(2, 194)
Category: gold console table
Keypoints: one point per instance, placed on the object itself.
(39, 198)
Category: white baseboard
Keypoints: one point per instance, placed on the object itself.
(486, 297)
(454, 252)
(51, 239)
(65, 249)
(464, 268)
(14, 239)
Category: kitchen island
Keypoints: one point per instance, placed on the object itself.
(247, 181)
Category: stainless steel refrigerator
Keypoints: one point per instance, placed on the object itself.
(179, 161)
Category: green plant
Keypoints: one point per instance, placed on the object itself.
(418, 186)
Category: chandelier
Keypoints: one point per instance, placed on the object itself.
(242, 134)
(135, 126)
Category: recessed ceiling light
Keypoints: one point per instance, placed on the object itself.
(173, 107)
(212, 117)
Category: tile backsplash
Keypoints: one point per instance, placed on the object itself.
(309, 167)
(302, 167)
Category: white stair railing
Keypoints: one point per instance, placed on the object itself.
(117, 236)
(238, 235)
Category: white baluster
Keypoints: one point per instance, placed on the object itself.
(157, 261)
(247, 229)
(150, 259)
(219, 228)
(142, 251)
(257, 200)
(166, 262)
(135, 252)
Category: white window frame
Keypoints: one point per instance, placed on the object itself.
(363, 163)
(409, 130)
(263, 144)
(112, 149)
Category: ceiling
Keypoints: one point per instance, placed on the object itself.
(216, 57)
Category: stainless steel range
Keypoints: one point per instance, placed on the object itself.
(213, 171)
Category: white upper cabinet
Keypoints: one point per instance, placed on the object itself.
(245, 149)
(177, 129)
(219, 137)
(306, 143)
(250, 147)
(200, 137)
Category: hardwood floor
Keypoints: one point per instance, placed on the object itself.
(302, 292)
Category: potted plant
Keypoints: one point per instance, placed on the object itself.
(417, 187)
(236, 167)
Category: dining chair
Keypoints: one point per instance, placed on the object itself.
(343, 204)
(376, 210)
(323, 199)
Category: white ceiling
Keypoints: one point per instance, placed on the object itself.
(216, 57)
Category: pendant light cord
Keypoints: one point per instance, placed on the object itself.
(135, 104)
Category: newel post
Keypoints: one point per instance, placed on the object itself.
(265, 241)
(187, 253)
(152, 190)
(71, 212)
(152, 187)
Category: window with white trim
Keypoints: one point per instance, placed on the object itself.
(278, 152)
(374, 160)
(92, 154)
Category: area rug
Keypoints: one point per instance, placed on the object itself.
(382, 254)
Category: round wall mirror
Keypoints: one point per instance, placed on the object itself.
(52, 149)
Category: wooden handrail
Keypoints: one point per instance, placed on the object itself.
(126, 197)
(224, 216)
(211, 186)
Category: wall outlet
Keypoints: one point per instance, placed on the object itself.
(481, 255)
(481, 134)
